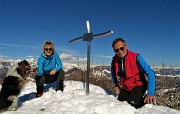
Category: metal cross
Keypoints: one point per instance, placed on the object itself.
(89, 37)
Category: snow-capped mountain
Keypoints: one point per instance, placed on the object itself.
(98, 70)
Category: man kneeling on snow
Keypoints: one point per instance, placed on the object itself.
(131, 70)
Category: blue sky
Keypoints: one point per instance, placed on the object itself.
(150, 27)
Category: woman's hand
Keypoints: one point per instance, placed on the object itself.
(53, 72)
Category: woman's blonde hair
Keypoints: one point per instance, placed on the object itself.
(48, 42)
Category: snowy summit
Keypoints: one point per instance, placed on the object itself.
(75, 101)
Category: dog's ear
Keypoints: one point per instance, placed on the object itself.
(19, 63)
(26, 62)
(18, 70)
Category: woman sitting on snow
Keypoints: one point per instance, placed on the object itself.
(49, 69)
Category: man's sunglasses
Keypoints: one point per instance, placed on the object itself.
(117, 50)
(50, 49)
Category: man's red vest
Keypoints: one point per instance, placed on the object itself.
(132, 78)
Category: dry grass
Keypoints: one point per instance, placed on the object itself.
(103, 82)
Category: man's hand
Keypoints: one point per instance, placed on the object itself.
(117, 90)
(53, 72)
(149, 99)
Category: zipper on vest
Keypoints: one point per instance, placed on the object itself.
(122, 64)
(121, 69)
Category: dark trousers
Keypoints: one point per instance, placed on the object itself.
(47, 78)
(134, 97)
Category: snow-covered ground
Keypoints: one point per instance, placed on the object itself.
(75, 101)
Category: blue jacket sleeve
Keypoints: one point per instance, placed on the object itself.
(113, 74)
(58, 62)
(145, 68)
(40, 66)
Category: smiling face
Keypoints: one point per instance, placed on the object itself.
(120, 48)
(48, 48)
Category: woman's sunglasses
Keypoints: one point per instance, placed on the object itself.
(48, 49)
(117, 50)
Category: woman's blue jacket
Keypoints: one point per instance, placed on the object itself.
(48, 63)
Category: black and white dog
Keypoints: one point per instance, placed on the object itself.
(15, 79)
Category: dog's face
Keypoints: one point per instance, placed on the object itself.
(23, 68)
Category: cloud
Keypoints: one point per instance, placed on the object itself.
(32, 56)
(70, 57)
(66, 49)
(103, 56)
(17, 45)
(3, 57)
(95, 59)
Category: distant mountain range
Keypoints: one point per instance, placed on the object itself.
(96, 70)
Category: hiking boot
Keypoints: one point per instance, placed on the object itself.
(39, 91)
(39, 95)
(60, 85)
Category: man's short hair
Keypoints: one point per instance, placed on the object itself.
(116, 40)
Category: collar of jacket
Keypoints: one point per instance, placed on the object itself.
(47, 57)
